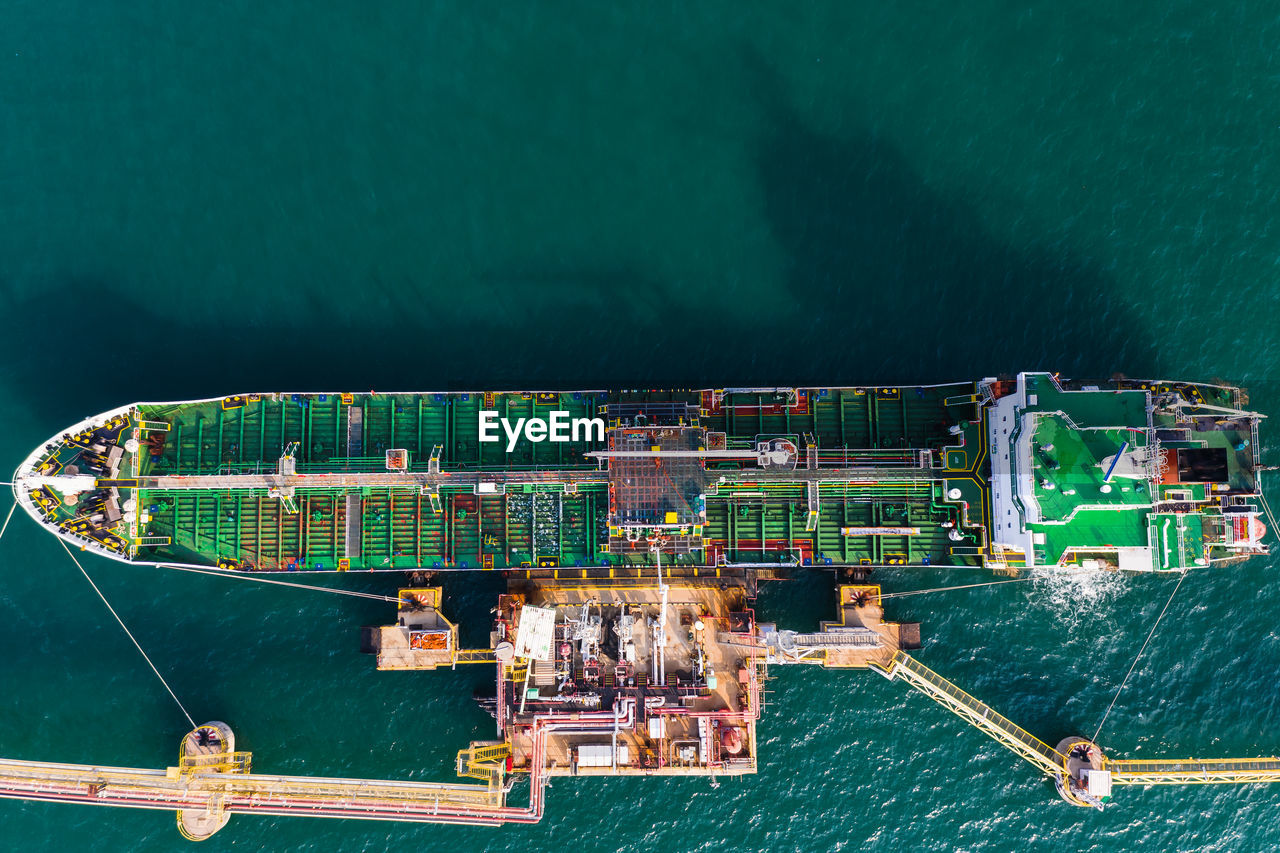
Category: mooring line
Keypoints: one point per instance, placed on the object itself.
(1266, 508)
(1150, 634)
(136, 644)
(949, 588)
(7, 519)
(245, 577)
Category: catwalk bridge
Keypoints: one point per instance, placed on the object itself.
(1052, 762)
(205, 789)
(212, 782)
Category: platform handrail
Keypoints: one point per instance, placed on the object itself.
(1193, 771)
(982, 716)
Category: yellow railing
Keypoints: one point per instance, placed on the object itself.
(475, 656)
(977, 713)
(485, 761)
(234, 762)
(1193, 771)
(161, 788)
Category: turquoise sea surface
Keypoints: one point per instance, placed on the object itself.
(200, 199)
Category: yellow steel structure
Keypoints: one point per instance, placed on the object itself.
(1004, 731)
(1193, 771)
(166, 784)
(226, 762)
(484, 761)
(1187, 771)
(212, 781)
(248, 792)
(475, 656)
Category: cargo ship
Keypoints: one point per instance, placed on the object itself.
(633, 528)
(1002, 473)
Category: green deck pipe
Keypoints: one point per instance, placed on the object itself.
(592, 526)
(448, 453)
(450, 532)
(906, 431)
(844, 441)
(177, 458)
(844, 540)
(280, 522)
(790, 526)
(221, 419)
(304, 527)
(763, 532)
(200, 444)
(817, 534)
(733, 530)
(417, 528)
(307, 439)
(877, 519)
(240, 444)
(873, 418)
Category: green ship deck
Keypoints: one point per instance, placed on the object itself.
(1002, 473)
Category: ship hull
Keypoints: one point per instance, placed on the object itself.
(1007, 474)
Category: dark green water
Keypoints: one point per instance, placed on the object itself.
(236, 196)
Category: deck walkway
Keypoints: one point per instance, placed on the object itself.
(577, 476)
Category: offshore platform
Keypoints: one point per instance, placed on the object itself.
(633, 529)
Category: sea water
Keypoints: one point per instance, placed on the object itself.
(215, 198)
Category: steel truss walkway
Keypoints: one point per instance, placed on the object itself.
(1000, 728)
(209, 785)
(225, 793)
(1193, 771)
(1189, 771)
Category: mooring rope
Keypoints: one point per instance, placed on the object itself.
(247, 577)
(7, 519)
(1266, 508)
(1150, 634)
(136, 644)
(949, 588)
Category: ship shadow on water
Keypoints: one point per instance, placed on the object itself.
(883, 279)
(909, 281)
